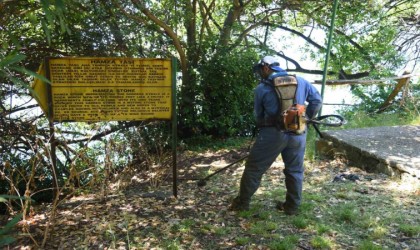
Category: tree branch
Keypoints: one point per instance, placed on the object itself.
(231, 17)
(208, 13)
(169, 32)
(99, 135)
(306, 38)
(299, 68)
(7, 112)
(251, 27)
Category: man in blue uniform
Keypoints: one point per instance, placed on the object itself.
(272, 140)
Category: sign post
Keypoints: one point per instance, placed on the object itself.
(174, 131)
(89, 89)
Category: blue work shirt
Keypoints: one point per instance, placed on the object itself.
(266, 102)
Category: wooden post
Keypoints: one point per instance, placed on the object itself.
(401, 83)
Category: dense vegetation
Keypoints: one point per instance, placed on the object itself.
(215, 43)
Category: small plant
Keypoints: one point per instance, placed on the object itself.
(6, 235)
(172, 244)
(186, 225)
(206, 228)
(410, 230)
(221, 230)
(262, 227)
(6, 232)
(322, 229)
(270, 225)
(183, 227)
(367, 222)
(288, 243)
(378, 232)
(242, 240)
(300, 222)
(265, 215)
(319, 242)
(110, 235)
(313, 197)
(346, 213)
(368, 245)
(342, 195)
(246, 214)
(276, 193)
(307, 208)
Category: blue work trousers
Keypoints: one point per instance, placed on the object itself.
(269, 144)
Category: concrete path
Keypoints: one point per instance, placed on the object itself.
(392, 150)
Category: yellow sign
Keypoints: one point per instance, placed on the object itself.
(41, 90)
(110, 89)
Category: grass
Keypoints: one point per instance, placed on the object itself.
(185, 225)
(410, 230)
(378, 232)
(322, 229)
(300, 222)
(287, 243)
(263, 227)
(243, 240)
(353, 218)
(345, 213)
(368, 245)
(172, 244)
(335, 214)
(320, 242)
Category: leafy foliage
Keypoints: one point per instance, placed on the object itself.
(5, 237)
(371, 98)
(227, 94)
(6, 231)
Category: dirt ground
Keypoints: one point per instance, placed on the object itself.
(140, 212)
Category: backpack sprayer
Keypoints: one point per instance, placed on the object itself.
(332, 121)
